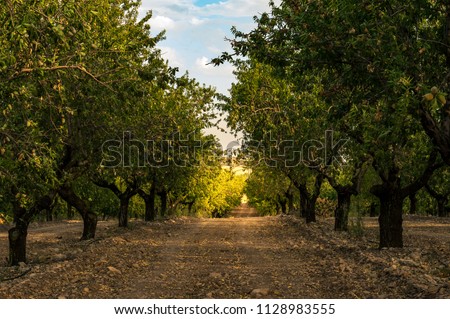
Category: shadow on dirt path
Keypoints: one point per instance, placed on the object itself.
(243, 210)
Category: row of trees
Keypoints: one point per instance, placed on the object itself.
(88, 103)
(328, 90)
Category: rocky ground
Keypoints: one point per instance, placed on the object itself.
(247, 257)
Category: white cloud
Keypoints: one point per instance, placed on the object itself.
(170, 54)
(196, 21)
(215, 74)
(195, 34)
(162, 22)
(235, 8)
(202, 63)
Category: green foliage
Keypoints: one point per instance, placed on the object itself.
(221, 193)
(265, 189)
(79, 73)
(61, 61)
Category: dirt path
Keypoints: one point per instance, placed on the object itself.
(223, 258)
(247, 257)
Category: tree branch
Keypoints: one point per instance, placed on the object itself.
(62, 67)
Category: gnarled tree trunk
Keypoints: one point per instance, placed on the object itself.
(391, 195)
(124, 197)
(17, 235)
(149, 200)
(308, 200)
(89, 217)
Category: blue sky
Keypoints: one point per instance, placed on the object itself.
(195, 33)
(202, 3)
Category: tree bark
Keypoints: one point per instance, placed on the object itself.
(391, 220)
(342, 210)
(345, 193)
(149, 200)
(308, 200)
(290, 198)
(123, 210)
(89, 225)
(283, 204)
(303, 205)
(89, 217)
(17, 236)
(163, 196)
(391, 196)
(308, 209)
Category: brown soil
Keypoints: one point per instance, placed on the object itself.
(247, 257)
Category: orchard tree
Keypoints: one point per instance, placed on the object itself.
(382, 68)
(284, 128)
(269, 191)
(65, 65)
(439, 188)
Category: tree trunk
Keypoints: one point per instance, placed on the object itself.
(412, 204)
(391, 219)
(303, 205)
(282, 202)
(17, 244)
(163, 196)
(308, 207)
(342, 210)
(391, 196)
(150, 211)
(123, 211)
(311, 211)
(149, 200)
(290, 198)
(283, 207)
(18, 236)
(307, 200)
(89, 225)
(89, 217)
(48, 215)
